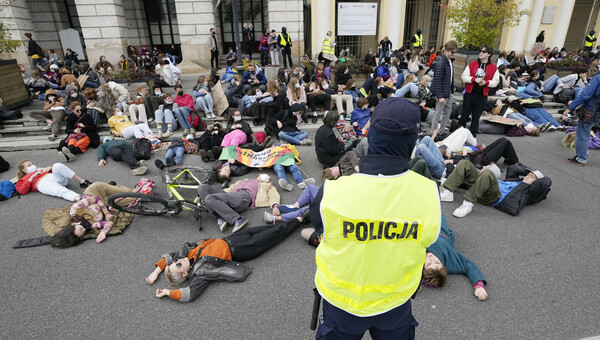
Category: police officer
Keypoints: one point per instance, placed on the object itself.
(417, 39)
(370, 258)
(590, 40)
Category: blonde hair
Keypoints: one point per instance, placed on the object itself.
(20, 168)
(272, 87)
(139, 88)
(173, 279)
(327, 174)
(296, 92)
(425, 79)
(409, 79)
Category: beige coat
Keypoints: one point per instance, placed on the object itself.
(267, 194)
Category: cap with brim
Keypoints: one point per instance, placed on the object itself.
(538, 174)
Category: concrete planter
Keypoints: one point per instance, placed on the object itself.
(559, 71)
(13, 92)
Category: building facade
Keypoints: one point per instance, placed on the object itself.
(106, 27)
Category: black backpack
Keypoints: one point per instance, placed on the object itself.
(10, 114)
(142, 148)
(565, 95)
(4, 166)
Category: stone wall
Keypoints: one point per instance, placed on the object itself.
(137, 27)
(195, 18)
(289, 14)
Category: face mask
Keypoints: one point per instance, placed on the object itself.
(297, 86)
(158, 93)
(119, 113)
(265, 178)
(428, 84)
(325, 86)
(73, 95)
(169, 102)
(258, 93)
(237, 118)
(31, 169)
(345, 72)
(180, 93)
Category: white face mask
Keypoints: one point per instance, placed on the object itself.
(119, 113)
(297, 86)
(325, 86)
(265, 178)
(31, 169)
(74, 95)
(158, 93)
(259, 93)
(168, 102)
(237, 118)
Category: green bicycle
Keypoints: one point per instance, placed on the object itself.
(176, 178)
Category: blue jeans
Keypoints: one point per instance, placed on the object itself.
(550, 84)
(182, 115)
(165, 117)
(293, 169)
(382, 55)
(304, 200)
(204, 103)
(172, 57)
(519, 116)
(411, 88)
(91, 84)
(176, 153)
(53, 86)
(583, 136)
(432, 155)
(293, 137)
(540, 116)
(578, 91)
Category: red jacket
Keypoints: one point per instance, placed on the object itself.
(185, 100)
(24, 186)
(490, 71)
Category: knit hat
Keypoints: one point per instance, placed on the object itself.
(538, 174)
(54, 67)
(394, 128)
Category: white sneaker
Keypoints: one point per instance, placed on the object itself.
(192, 131)
(268, 218)
(222, 224)
(285, 185)
(159, 134)
(464, 209)
(185, 132)
(167, 134)
(446, 195)
(47, 127)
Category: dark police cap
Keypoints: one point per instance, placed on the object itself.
(396, 116)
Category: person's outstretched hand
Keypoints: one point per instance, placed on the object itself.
(151, 278)
(162, 292)
(101, 237)
(481, 293)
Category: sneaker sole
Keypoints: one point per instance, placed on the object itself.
(238, 228)
(574, 162)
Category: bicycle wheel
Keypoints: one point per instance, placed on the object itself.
(185, 175)
(138, 203)
(193, 206)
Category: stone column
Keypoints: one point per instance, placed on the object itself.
(517, 39)
(104, 28)
(562, 23)
(195, 18)
(17, 16)
(534, 24)
(321, 14)
(289, 14)
(395, 14)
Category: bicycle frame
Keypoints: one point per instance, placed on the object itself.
(172, 188)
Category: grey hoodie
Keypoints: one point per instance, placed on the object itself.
(68, 99)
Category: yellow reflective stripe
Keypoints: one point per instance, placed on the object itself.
(369, 288)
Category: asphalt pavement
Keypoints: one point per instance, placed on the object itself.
(541, 267)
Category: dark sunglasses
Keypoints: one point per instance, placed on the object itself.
(483, 51)
(77, 111)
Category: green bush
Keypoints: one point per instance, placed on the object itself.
(475, 23)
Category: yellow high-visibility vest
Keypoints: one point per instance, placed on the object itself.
(589, 43)
(372, 253)
(284, 42)
(418, 40)
(327, 46)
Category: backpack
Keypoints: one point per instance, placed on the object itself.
(142, 148)
(564, 96)
(4, 166)
(11, 114)
(196, 122)
(7, 189)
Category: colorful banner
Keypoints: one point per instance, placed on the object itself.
(261, 159)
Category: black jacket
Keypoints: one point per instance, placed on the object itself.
(523, 194)
(208, 140)
(34, 48)
(442, 85)
(245, 127)
(329, 150)
(89, 129)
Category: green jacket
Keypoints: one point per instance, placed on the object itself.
(104, 149)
